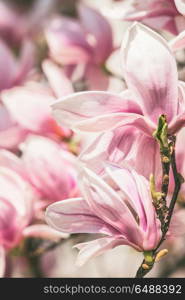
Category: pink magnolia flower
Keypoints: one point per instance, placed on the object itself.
(81, 46)
(125, 214)
(15, 71)
(18, 208)
(27, 108)
(50, 169)
(15, 211)
(158, 14)
(11, 134)
(133, 114)
(28, 22)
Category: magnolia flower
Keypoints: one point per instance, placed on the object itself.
(28, 108)
(49, 168)
(158, 14)
(11, 134)
(28, 23)
(81, 46)
(124, 214)
(135, 112)
(15, 211)
(18, 208)
(15, 71)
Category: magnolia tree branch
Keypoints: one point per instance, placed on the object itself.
(164, 213)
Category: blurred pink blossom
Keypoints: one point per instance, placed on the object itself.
(125, 215)
(158, 14)
(16, 199)
(14, 71)
(16, 25)
(50, 169)
(27, 108)
(81, 46)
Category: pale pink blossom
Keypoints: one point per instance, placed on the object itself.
(16, 199)
(49, 168)
(125, 214)
(17, 25)
(27, 108)
(158, 14)
(18, 208)
(74, 43)
(11, 134)
(133, 114)
(14, 71)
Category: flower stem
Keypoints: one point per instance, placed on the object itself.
(164, 213)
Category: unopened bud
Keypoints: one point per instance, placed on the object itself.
(161, 254)
(145, 267)
(165, 179)
(165, 160)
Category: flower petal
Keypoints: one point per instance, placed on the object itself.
(25, 62)
(156, 85)
(29, 107)
(95, 78)
(112, 146)
(60, 84)
(67, 42)
(99, 111)
(8, 66)
(97, 247)
(178, 42)
(12, 161)
(180, 4)
(92, 21)
(75, 216)
(43, 231)
(108, 206)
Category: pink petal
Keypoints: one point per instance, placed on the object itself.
(112, 146)
(43, 231)
(11, 134)
(178, 42)
(108, 206)
(92, 21)
(95, 78)
(156, 85)
(98, 111)
(2, 261)
(67, 42)
(18, 193)
(11, 161)
(152, 228)
(97, 247)
(55, 179)
(60, 84)
(116, 120)
(146, 147)
(29, 107)
(136, 190)
(179, 23)
(180, 4)
(8, 66)
(75, 216)
(25, 62)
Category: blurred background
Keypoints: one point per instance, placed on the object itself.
(49, 49)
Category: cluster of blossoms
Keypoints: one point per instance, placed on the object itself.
(81, 150)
